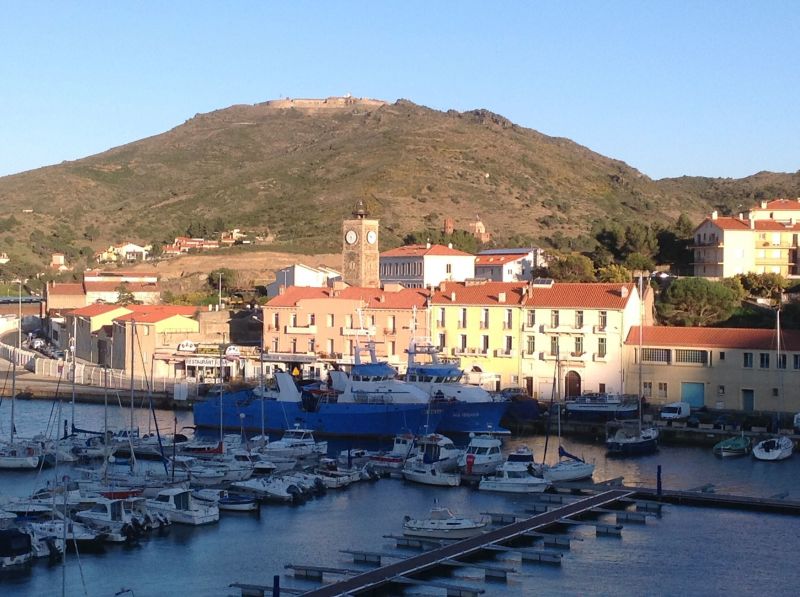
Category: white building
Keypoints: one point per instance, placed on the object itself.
(508, 265)
(425, 266)
(302, 275)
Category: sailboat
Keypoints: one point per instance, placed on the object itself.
(568, 467)
(17, 454)
(622, 438)
(779, 447)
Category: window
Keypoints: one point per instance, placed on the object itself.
(720, 390)
(691, 356)
(509, 344)
(603, 320)
(392, 348)
(601, 347)
(441, 317)
(578, 346)
(390, 324)
(656, 355)
(331, 320)
(294, 345)
(449, 268)
(463, 322)
(312, 319)
(276, 321)
(578, 319)
(442, 341)
(781, 361)
(311, 346)
(796, 360)
(747, 360)
(274, 345)
(463, 343)
(662, 389)
(763, 360)
(509, 319)
(485, 319)
(530, 347)
(485, 344)
(721, 356)
(554, 346)
(348, 322)
(531, 318)
(647, 388)
(554, 319)
(293, 320)
(775, 392)
(330, 346)
(602, 388)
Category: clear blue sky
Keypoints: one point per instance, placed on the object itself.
(697, 87)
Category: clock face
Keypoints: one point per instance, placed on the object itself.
(372, 237)
(351, 237)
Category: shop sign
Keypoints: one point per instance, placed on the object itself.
(187, 346)
(232, 351)
(202, 362)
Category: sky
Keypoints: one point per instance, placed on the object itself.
(702, 87)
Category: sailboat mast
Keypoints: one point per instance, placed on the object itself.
(641, 342)
(133, 362)
(13, 390)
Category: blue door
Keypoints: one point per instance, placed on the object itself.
(693, 393)
(747, 400)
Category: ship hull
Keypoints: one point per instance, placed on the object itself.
(471, 417)
(327, 419)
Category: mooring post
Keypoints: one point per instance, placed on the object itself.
(276, 585)
(658, 481)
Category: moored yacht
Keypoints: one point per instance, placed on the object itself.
(515, 475)
(179, 506)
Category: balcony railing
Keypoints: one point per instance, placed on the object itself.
(300, 329)
(505, 352)
(368, 331)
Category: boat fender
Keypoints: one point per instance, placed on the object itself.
(470, 463)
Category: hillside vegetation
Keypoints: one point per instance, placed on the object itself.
(295, 171)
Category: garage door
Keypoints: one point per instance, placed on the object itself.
(693, 393)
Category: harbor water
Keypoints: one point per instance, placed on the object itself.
(685, 551)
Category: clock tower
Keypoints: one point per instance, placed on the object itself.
(360, 256)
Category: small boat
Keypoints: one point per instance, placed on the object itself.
(733, 446)
(230, 502)
(295, 443)
(15, 548)
(111, 518)
(428, 474)
(515, 475)
(482, 455)
(20, 456)
(443, 524)
(393, 460)
(630, 440)
(774, 449)
(179, 506)
(601, 407)
(436, 463)
(275, 489)
(568, 468)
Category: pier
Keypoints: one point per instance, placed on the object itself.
(448, 554)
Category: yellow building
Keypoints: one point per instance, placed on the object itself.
(723, 368)
(763, 240)
(528, 335)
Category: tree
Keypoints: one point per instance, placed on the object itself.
(763, 285)
(696, 301)
(640, 239)
(124, 295)
(735, 284)
(224, 276)
(639, 262)
(614, 273)
(572, 268)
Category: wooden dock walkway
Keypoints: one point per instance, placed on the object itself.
(378, 577)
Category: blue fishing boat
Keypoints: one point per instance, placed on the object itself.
(368, 409)
(465, 408)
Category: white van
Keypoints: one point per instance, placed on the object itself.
(675, 411)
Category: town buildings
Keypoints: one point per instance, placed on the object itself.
(509, 265)
(425, 266)
(762, 240)
(302, 275)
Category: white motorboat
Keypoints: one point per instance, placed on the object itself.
(110, 517)
(393, 460)
(482, 455)
(276, 489)
(515, 475)
(774, 449)
(179, 506)
(20, 456)
(427, 474)
(436, 463)
(443, 524)
(567, 469)
(15, 548)
(295, 443)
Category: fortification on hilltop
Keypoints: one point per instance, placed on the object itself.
(328, 103)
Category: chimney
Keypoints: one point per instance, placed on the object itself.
(449, 245)
(623, 292)
(752, 224)
(443, 286)
(741, 216)
(714, 215)
(763, 204)
(452, 297)
(382, 298)
(428, 245)
(501, 297)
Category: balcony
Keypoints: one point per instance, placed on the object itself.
(529, 355)
(484, 325)
(368, 331)
(599, 329)
(389, 331)
(508, 326)
(547, 356)
(300, 329)
(600, 358)
(529, 327)
(505, 353)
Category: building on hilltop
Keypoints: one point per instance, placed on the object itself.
(478, 230)
(509, 265)
(302, 275)
(763, 240)
(425, 266)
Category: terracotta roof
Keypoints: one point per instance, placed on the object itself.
(728, 223)
(486, 260)
(373, 298)
(565, 295)
(423, 250)
(65, 288)
(96, 309)
(779, 204)
(697, 337)
(775, 225)
(155, 313)
(484, 293)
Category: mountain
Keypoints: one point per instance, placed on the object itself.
(295, 168)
